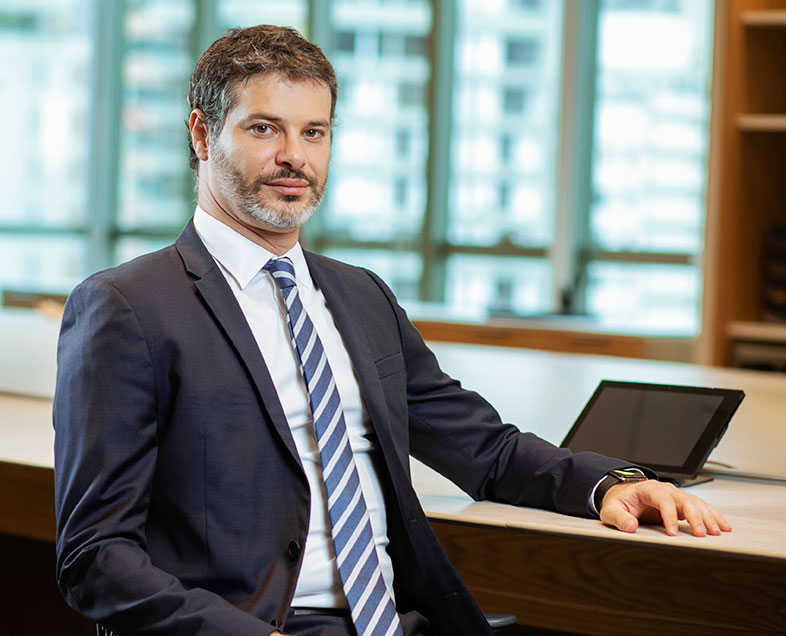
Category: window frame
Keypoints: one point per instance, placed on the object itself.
(571, 251)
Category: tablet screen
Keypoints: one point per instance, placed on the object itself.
(671, 429)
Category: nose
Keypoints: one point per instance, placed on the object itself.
(290, 154)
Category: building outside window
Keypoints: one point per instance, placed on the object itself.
(651, 136)
(45, 101)
(448, 173)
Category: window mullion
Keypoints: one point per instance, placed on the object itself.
(574, 185)
(206, 29)
(102, 197)
(320, 32)
(320, 25)
(432, 282)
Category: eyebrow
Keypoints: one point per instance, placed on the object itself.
(315, 123)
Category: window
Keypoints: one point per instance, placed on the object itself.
(485, 157)
(245, 13)
(154, 181)
(651, 134)
(521, 52)
(45, 88)
(345, 42)
(505, 136)
(375, 204)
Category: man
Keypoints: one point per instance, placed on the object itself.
(234, 415)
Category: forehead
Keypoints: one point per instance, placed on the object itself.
(280, 97)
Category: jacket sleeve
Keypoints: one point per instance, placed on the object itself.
(459, 434)
(106, 441)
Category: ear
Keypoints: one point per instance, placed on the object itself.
(198, 127)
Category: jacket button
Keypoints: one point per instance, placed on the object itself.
(293, 549)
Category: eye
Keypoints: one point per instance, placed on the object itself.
(262, 129)
(313, 133)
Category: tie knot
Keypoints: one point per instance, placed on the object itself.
(282, 270)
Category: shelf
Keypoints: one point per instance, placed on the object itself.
(770, 332)
(764, 18)
(762, 123)
(746, 189)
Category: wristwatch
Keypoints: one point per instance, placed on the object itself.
(614, 477)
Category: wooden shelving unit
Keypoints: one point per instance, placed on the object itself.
(747, 179)
(761, 123)
(767, 17)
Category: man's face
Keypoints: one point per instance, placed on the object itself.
(268, 166)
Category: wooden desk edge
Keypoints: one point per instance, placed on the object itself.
(27, 501)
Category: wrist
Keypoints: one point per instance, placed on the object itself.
(615, 478)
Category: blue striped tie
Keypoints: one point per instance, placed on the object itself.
(372, 609)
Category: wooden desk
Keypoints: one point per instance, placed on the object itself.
(30, 601)
(553, 571)
(579, 576)
(26, 467)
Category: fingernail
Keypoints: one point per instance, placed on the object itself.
(628, 526)
(672, 530)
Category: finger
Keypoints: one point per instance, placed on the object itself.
(692, 512)
(724, 525)
(714, 521)
(663, 500)
(701, 516)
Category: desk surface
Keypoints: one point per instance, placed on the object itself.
(543, 392)
(756, 510)
(28, 348)
(26, 433)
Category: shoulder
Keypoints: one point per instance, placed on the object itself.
(143, 277)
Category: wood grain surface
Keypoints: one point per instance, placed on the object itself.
(552, 581)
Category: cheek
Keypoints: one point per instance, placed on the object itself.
(255, 164)
(319, 160)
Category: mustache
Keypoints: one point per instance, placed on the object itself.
(283, 173)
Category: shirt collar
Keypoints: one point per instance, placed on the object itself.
(240, 257)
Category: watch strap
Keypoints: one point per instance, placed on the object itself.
(614, 477)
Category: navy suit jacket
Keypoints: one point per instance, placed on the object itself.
(181, 503)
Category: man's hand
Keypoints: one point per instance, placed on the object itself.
(652, 501)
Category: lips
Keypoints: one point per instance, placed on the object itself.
(289, 187)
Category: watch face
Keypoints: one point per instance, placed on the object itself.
(629, 475)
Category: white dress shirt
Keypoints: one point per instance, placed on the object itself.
(241, 262)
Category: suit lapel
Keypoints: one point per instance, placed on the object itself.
(222, 304)
(354, 339)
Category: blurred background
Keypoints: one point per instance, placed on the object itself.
(491, 157)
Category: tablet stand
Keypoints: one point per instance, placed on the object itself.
(686, 483)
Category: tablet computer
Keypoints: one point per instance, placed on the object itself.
(671, 429)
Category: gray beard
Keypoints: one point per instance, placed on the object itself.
(246, 196)
(280, 219)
